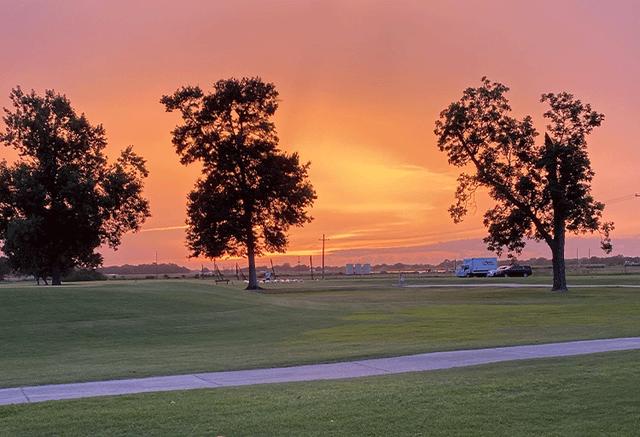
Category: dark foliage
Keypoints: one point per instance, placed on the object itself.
(62, 199)
(250, 192)
(542, 189)
(143, 269)
(84, 275)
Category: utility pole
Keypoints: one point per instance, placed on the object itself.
(311, 266)
(323, 239)
(156, 264)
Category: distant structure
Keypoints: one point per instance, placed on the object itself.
(357, 269)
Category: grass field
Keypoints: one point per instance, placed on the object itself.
(580, 396)
(137, 328)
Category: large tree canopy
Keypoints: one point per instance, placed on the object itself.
(541, 189)
(250, 192)
(62, 199)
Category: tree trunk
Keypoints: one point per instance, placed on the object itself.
(559, 270)
(56, 276)
(251, 257)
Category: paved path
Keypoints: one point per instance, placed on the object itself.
(315, 372)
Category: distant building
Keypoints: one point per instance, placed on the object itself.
(357, 269)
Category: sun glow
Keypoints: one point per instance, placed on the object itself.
(358, 101)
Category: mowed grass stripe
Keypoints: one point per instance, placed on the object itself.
(592, 395)
(141, 328)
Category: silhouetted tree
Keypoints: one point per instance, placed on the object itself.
(250, 192)
(542, 190)
(62, 199)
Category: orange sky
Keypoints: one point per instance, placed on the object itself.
(361, 84)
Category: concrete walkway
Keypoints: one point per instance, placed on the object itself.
(315, 372)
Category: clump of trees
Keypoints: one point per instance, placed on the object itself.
(542, 189)
(62, 199)
(84, 275)
(250, 192)
(144, 269)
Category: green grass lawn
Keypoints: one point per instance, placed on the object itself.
(546, 279)
(591, 395)
(138, 328)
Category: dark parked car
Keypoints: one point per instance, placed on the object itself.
(511, 271)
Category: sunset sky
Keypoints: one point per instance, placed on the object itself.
(361, 84)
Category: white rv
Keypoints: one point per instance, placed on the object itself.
(476, 267)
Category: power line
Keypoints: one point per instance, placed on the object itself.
(323, 239)
(622, 198)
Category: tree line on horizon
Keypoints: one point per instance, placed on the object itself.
(289, 268)
(63, 199)
(286, 268)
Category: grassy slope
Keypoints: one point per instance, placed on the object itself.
(128, 329)
(581, 396)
